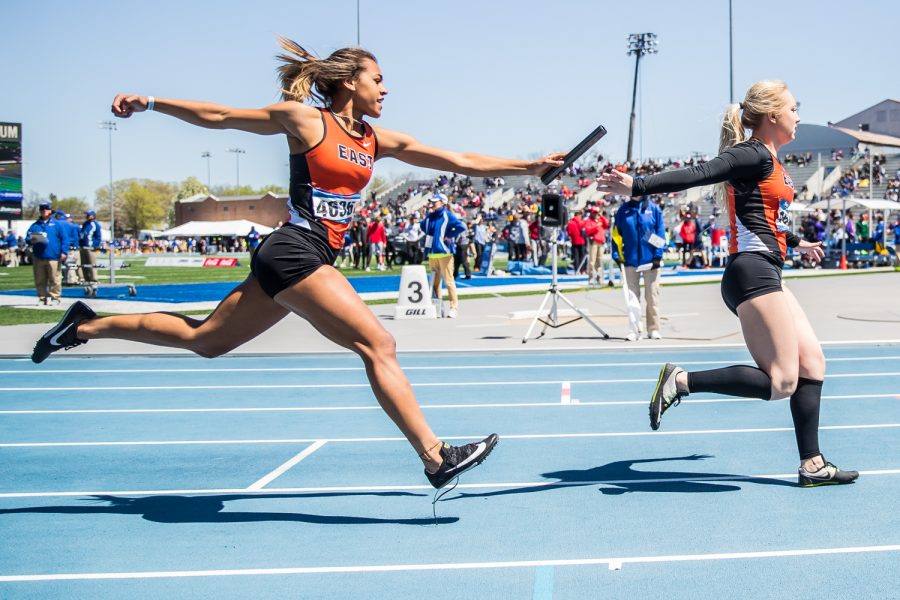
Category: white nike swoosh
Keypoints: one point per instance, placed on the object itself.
(54, 341)
(58, 325)
(366, 145)
(481, 448)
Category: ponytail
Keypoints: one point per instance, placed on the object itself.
(733, 131)
(762, 99)
(303, 76)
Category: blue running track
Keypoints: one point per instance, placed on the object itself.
(279, 477)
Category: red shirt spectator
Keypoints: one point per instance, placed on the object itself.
(688, 231)
(574, 229)
(716, 234)
(595, 227)
(376, 232)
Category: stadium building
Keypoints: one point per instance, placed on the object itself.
(268, 209)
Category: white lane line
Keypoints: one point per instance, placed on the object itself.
(566, 394)
(38, 371)
(446, 384)
(517, 564)
(891, 395)
(412, 488)
(258, 485)
(317, 386)
(612, 349)
(523, 436)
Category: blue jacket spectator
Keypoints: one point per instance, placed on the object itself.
(636, 221)
(53, 238)
(74, 232)
(70, 238)
(90, 235)
(11, 241)
(253, 237)
(441, 228)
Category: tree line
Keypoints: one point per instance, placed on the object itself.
(139, 203)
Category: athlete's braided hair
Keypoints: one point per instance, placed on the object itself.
(762, 99)
(305, 76)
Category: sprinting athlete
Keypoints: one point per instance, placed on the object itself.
(333, 151)
(758, 192)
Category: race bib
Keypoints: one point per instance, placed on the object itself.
(783, 219)
(333, 207)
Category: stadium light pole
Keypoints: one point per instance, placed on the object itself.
(207, 156)
(639, 44)
(730, 55)
(237, 163)
(110, 126)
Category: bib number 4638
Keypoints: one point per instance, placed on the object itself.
(334, 210)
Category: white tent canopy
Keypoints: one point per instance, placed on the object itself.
(207, 228)
(874, 204)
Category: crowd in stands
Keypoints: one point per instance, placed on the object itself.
(858, 176)
(384, 233)
(800, 160)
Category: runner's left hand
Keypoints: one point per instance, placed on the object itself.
(812, 250)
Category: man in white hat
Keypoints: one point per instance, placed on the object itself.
(441, 228)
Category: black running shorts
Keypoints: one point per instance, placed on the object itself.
(748, 275)
(288, 255)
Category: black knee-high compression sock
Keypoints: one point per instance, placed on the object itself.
(739, 380)
(805, 410)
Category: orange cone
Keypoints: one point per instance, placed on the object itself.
(843, 262)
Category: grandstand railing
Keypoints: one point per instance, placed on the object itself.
(385, 191)
(495, 199)
(416, 201)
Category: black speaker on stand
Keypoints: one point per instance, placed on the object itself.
(553, 211)
(554, 215)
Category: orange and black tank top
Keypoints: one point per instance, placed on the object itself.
(759, 191)
(327, 179)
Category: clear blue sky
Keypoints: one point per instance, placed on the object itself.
(512, 78)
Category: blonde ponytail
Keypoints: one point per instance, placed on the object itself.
(732, 129)
(303, 76)
(762, 99)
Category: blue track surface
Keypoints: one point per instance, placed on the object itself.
(147, 477)
(213, 292)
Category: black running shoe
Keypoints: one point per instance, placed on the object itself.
(63, 335)
(827, 475)
(459, 459)
(665, 395)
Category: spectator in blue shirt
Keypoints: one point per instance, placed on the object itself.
(253, 238)
(896, 229)
(69, 241)
(441, 228)
(639, 238)
(90, 240)
(12, 249)
(49, 242)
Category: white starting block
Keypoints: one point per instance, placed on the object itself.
(414, 300)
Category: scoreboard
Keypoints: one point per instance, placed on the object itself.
(11, 171)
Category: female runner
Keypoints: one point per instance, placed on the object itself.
(758, 191)
(332, 153)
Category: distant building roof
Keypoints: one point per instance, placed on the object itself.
(867, 137)
(204, 197)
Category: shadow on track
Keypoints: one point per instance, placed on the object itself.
(210, 509)
(620, 477)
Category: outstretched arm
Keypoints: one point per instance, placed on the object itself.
(406, 148)
(741, 162)
(283, 117)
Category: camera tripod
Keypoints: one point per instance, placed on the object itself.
(553, 296)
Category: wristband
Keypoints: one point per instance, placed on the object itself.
(150, 102)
